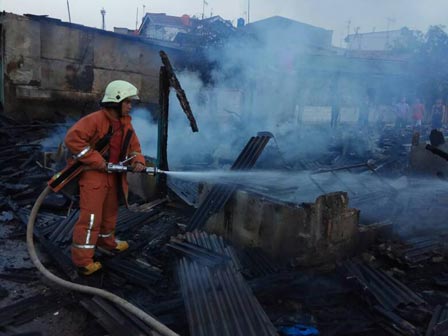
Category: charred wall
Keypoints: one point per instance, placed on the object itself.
(54, 68)
(313, 233)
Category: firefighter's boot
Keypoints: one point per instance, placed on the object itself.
(90, 269)
(121, 246)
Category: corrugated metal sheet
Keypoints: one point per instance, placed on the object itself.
(438, 325)
(388, 291)
(116, 321)
(220, 194)
(217, 299)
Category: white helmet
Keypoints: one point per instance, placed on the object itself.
(118, 90)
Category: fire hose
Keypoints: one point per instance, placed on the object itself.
(149, 320)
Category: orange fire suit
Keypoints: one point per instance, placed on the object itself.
(99, 190)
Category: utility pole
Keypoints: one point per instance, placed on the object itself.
(143, 12)
(203, 8)
(389, 20)
(103, 14)
(68, 9)
(248, 11)
(136, 20)
(347, 39)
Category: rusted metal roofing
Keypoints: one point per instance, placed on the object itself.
(167, 20)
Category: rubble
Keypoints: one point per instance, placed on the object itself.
(217, 298)
(201, 283)
(220, 194)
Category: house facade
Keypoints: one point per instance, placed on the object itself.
(49, 67)
(374, 41)
(164, 27)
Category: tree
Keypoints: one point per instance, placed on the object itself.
(430, 64)
(408, 43)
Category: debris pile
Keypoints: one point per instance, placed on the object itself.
(202, 284)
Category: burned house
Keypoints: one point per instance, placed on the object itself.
(296, 256)
(278, 59)
(52, 68)
(85, 66)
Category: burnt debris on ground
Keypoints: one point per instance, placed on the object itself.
(203, 283)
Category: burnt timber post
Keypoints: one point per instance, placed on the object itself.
(162, 141)
(167, 80)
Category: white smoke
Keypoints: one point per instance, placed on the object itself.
(146, 131)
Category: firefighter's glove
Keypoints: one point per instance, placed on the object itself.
(138, 167)
(103, 167)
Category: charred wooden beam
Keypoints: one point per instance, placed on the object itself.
(162, 141)
(19, 276)
(114, 320)
(180, 93)
(26, 310)
(164, 92)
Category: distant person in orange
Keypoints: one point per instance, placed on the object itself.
(101, 191)
(418, 112)
(437, 113)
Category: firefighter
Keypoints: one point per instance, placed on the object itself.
(100, 191)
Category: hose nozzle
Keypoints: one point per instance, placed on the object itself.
(152, 171)
(119, 168)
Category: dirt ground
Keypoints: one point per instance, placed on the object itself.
(62, 319)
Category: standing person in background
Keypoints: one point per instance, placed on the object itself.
(335, 112)
(100, 191)
(363, 114)
(402, 113)
(445, 116)
(437, 112)
(418, 111)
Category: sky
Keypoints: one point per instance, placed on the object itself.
(340, 16)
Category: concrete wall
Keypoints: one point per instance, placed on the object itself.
(323, 231)
(384, 40)
(56, 68)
